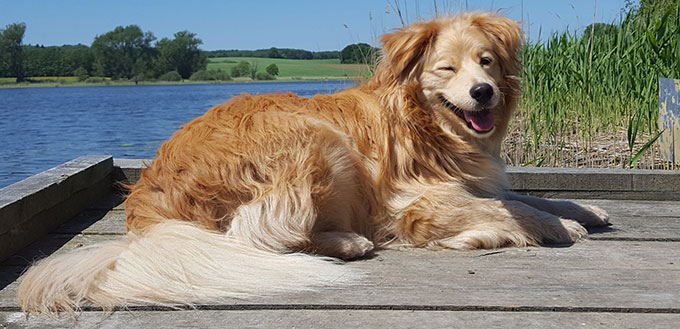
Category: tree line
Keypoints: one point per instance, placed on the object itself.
(358, 53)
(286, 53)
(127, 52)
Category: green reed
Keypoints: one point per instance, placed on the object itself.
(591, 99)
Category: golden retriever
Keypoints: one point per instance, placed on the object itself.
(411, 158)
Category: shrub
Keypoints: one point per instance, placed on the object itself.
(272, 69)
(242, 69)
(210, 76)
(264, 76)
(81, 73)
(359, 53)
(170, 76)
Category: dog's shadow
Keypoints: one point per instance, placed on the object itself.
(602, 229)
(13, 267)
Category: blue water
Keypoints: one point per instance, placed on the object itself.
(43, 127)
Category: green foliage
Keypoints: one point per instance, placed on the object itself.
(264, 76)
(274, 53)
(81, 74)
(11, 52)
(242, 69)
(253, 69)
(272, 69)
(286, 53)
(578, 89)
(120, 51)
(41, 61)
(601, 29)
(293, 67)
(171, 76)
(181, 54)
(210, 76)
(358, 53)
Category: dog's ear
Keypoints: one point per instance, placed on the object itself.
(505, 34)
(404, 49)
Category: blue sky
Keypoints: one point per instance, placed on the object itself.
(255, 24)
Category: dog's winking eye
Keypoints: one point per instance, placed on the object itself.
(484, 61)
(448, 68)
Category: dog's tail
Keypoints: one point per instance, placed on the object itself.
(172, 263)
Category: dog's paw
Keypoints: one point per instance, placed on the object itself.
(343, 245)
(593, 216)
(357, 247)
(574, 230)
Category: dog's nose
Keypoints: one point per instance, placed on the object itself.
(482, 92)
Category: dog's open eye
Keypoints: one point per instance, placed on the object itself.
(484, 61)
(448, 68)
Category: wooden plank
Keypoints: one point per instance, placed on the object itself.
(595, 274)
(95, 222)
(55, 243)
(635, 208)
(33, 207)
(21, 201)
(345, 319)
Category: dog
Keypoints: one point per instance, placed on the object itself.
(238, 199)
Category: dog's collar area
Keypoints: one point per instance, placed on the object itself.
(480, 122)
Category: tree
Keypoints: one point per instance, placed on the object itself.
(274, 53)
(181, 54)
(358, 53)
(81, 73)
(170, 76)
(253, 70)
(272, 69)
(117, 51)
(40, 61)
(601, 29)
(11, 50)
(242, 69)
(264, 76)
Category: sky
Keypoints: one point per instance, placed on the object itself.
(314, 25)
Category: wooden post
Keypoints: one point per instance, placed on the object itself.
(669, 119)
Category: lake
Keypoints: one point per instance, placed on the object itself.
(43, 127)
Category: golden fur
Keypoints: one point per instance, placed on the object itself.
(409, 158)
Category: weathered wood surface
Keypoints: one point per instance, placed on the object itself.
(33, 207)
(625, 276)
(349, 319)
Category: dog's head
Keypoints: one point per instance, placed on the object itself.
(465, 67)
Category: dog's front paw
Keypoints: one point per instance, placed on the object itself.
(575, 230)
(594, 216)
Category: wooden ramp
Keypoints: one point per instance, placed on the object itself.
(625, 276)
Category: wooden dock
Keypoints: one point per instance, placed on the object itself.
(624, 276)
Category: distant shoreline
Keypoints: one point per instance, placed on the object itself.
(165, 83)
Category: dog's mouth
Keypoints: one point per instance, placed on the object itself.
(479, 121)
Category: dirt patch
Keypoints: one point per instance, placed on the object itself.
(607, 149)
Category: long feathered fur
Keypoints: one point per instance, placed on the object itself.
(173, 262)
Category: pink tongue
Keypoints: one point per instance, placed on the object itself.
(481, 121)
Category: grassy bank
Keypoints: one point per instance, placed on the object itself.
(294, 68)
(289, 70)
(65, 83)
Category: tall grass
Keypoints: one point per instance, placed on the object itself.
(591, 99)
